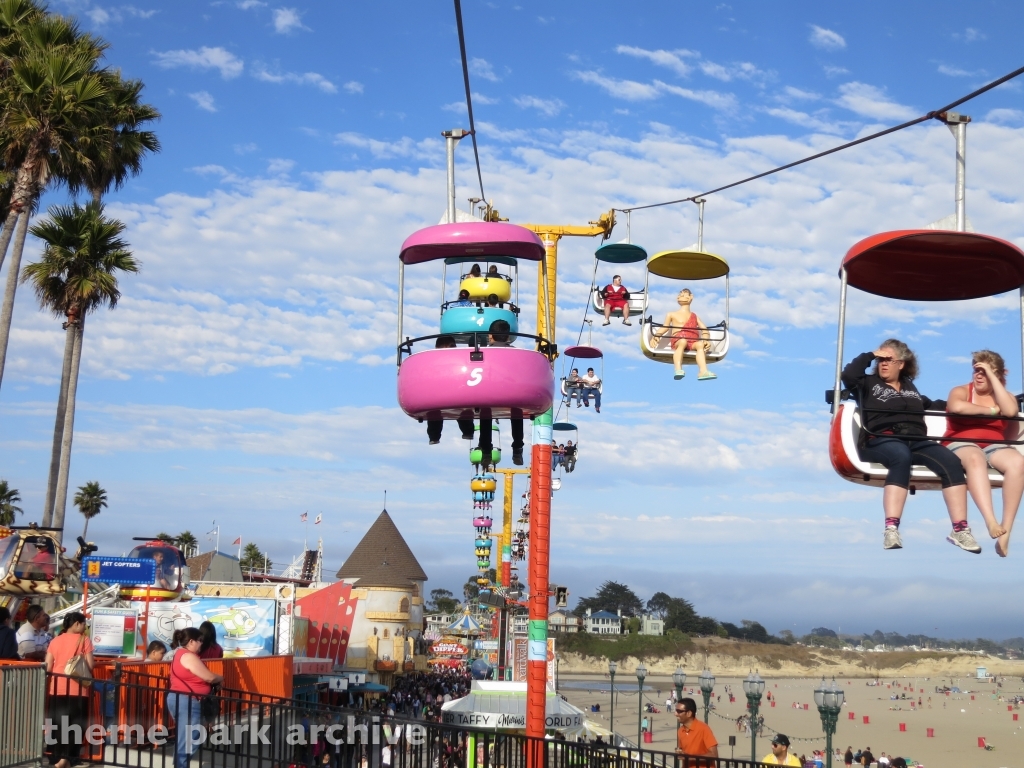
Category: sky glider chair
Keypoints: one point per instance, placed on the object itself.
(914, 265)
(619, 253)
(475, 380)
(688, 266)
(583, 352)
(565, 431)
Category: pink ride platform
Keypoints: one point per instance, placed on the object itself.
(475, 238)
(446, 384)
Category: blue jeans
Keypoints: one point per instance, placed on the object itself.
(588, 391)
(898, 455)
(187, 718)
(574, 390)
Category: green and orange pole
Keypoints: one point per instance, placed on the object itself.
(540, 561)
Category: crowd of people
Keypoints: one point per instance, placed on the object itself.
(981, 426)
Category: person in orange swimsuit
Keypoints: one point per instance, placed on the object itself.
(689, 333)
(976, 441)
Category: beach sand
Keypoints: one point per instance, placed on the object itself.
(957, 719)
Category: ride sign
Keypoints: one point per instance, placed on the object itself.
(119, 570)
(449, 649)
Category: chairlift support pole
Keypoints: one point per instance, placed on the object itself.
(957, 125)
(450, 139)
(540, 489)
(839, 342)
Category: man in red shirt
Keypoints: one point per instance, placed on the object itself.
(616, 297)
(693, 737)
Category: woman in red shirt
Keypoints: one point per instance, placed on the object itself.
(190, 682)
(67, 697)
(971, 440)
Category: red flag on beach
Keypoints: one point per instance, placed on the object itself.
(236, 541)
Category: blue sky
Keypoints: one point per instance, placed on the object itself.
(247, 375)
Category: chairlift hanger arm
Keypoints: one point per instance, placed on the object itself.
(603, 226)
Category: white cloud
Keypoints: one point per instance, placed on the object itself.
(1014, 117)
(808, 121)
(725, 102)
(970, 35)
(287, 20)
(549, 107)
(831, 71)
(203, 100)
(218, 58)
(353, 86)
(671, 59)
(630, 90)
(826, 39)
(404, 147)
(245, 149)
(278, 166)
(791, 93)
(869, 101)
(100, 16)
(482, 68)
(247, 5)
(742, 70)
(946, 69)
(260, 72)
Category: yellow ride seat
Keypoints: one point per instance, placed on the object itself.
(481, 287)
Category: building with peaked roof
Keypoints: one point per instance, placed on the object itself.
(214, 566)
(387, 583)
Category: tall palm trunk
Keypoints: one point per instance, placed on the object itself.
(85, 531)
(60, 502)
(58, 423)
(5, 235)
(12, 286)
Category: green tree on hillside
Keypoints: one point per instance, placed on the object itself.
(612, 597)
(442, 601)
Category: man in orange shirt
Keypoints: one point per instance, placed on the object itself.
(693, 736)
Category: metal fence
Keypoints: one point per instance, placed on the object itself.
(128, 723)
(22, 689)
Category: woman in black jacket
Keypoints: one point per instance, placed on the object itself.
(893, 411)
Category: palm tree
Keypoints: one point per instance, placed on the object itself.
(116, 151)
(90, 500)
(52, 98)
(76, 275)
(8, 498)
(188, 543)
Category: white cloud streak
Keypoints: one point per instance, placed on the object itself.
(229, 65)
(260, 72)
(826, 39)
(203, 100)
(287, 20)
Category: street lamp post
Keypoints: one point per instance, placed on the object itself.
(753, 686)
(829, 699)
(641, 673)
(679, 678)
(707, 685)
(611, 674)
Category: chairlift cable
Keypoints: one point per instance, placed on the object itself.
(469, 98)
(930, 116)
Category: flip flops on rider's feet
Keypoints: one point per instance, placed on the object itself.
(707, 376)
(679, 374)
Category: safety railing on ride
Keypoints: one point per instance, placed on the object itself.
(21, 711)
(901, 434)
(133, 723)
(479, 304)
(480, 340)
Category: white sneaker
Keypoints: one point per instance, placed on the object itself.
(892, 538)
(965, 540)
